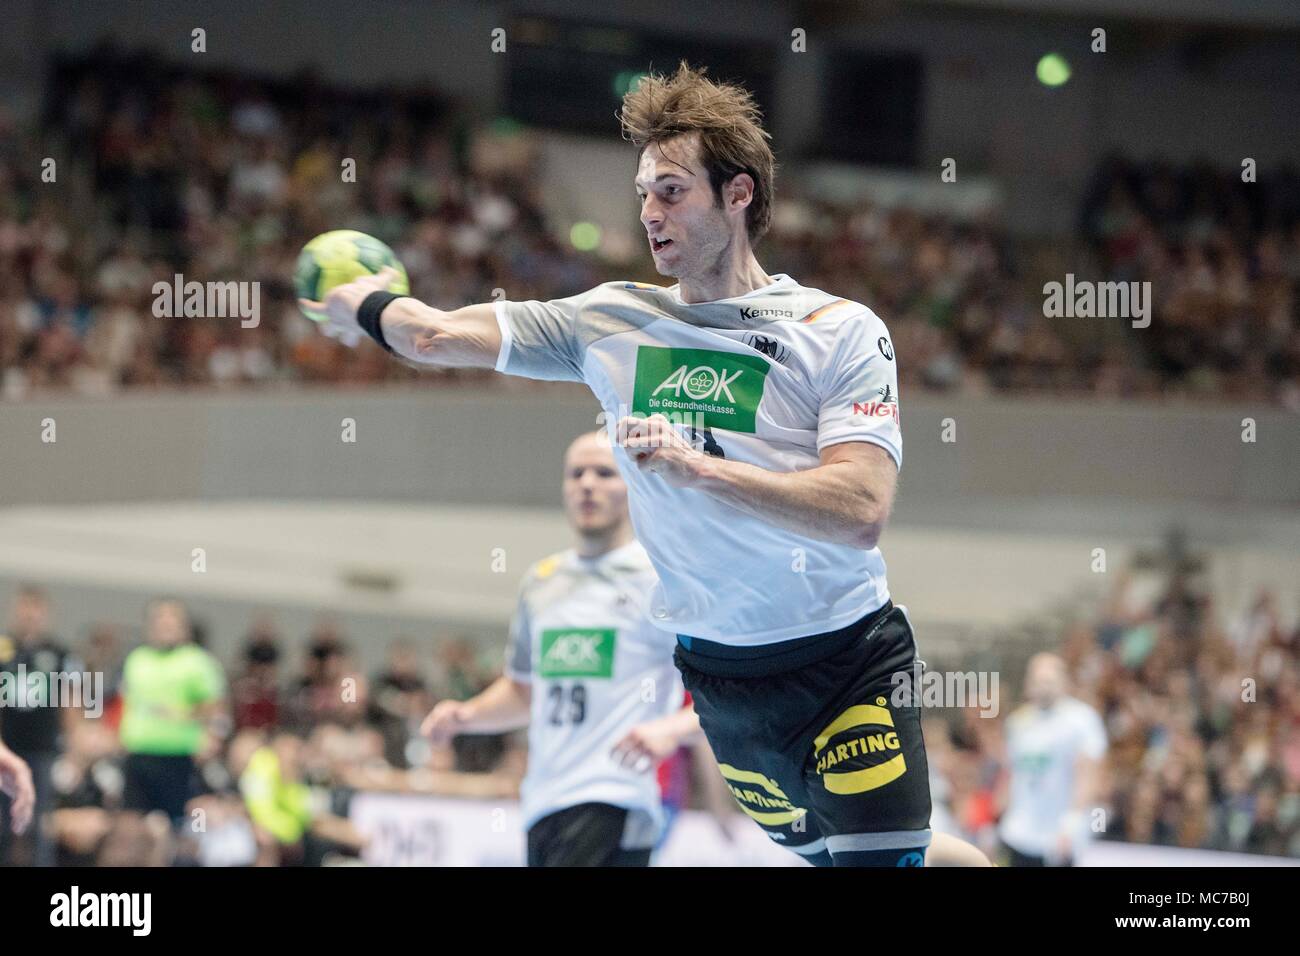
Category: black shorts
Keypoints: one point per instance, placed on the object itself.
(589, 834)
(1013, 857)
(160, 782)
(813, 743)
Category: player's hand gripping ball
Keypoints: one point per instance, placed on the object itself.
(334, 258)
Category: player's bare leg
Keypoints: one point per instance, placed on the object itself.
(948, 850)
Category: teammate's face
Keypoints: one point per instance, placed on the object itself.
(1045, 680)
(688, 230)
(595, 498)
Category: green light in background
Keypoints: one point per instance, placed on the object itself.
(585, 236)
(626, 80)
(506, 126)
(1053, 70)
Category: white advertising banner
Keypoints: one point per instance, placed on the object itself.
(1106, 853)
(418, 830)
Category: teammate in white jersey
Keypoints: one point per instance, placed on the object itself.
(758, 430)
(1055, 744)
(584, 670)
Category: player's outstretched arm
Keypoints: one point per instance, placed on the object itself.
(502, 707)
(464, 338)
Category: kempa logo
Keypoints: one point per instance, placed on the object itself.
(133, 910)
(1098, 300)
(208, 300)
(723, 388)
(747, 313)
(577, 652)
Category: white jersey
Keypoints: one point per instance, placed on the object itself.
(1042, 747)
(597, 669)
(770, 378)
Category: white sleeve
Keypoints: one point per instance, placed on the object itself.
(519, 651)
(540, 340)
(1092, 737)
(859, 388)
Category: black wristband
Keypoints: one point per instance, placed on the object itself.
(372, 309)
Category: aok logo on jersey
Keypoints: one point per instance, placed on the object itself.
(577, 652)
(722, 389)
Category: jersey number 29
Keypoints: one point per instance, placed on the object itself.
(576, 708)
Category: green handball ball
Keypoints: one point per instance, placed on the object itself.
(333, 258)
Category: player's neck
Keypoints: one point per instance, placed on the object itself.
(595, 546)
(734, 275)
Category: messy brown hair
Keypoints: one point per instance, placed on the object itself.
(729, 122)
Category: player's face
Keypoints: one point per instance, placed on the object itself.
(595, 497)
(168, 625)
(688, 231)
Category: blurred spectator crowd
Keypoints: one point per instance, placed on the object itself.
(1202, 718)
(268, 754)
(221, 177)
(217, 178)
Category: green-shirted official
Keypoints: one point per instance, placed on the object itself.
(171, 690)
